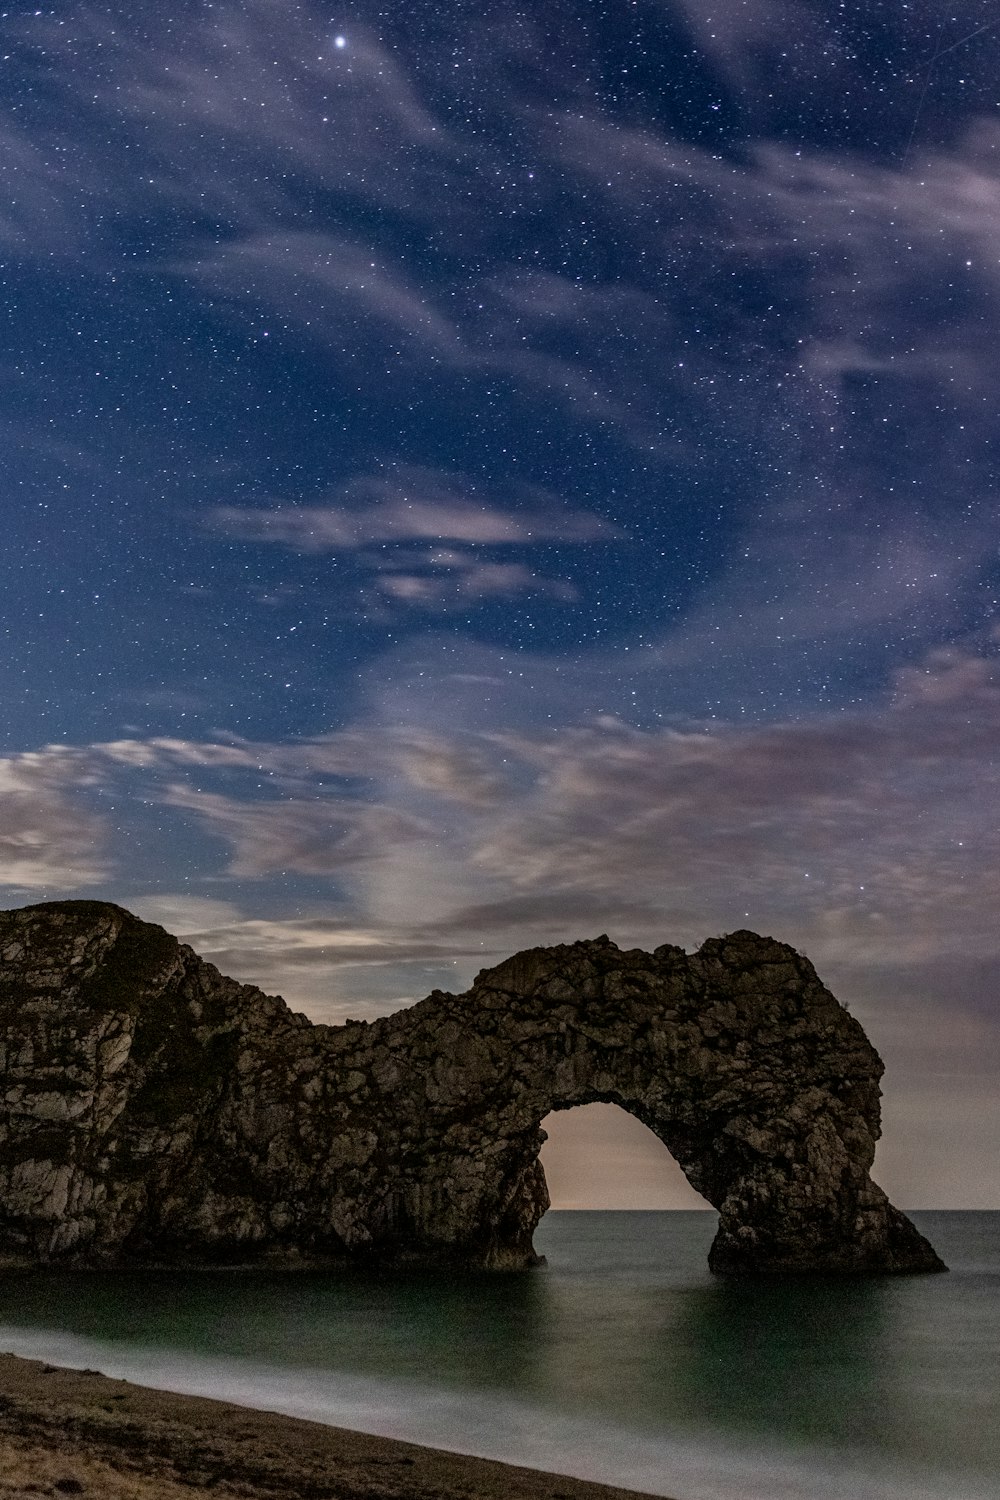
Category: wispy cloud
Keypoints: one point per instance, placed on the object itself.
(49, 839)
(381, 522)
(467, 580)
(321, 836)
(859, 833)
(864, 242)
(414, 505)
(240, 125)
(750, 47)
(196, 119)
(345, 292)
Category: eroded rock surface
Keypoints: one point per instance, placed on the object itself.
(153, 1111)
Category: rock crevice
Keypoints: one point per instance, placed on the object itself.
(153, 1111)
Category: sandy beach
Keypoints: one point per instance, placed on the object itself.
(71, 1432)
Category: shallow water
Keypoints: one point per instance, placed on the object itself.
(623, 1360)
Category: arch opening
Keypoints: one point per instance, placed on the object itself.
(598, 1156)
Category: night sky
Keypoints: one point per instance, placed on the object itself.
(481, 476)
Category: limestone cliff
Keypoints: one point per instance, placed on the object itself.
(153, 1111)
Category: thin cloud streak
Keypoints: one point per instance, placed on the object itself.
(382, 520)
(413, 505)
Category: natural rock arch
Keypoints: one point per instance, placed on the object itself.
(155, 1111)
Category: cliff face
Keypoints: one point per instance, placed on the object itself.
(153, 1111)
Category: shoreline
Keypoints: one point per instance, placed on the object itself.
(78, 1432)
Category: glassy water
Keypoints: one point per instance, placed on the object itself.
(623, 1360)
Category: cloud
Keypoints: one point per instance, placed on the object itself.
(884, 260)
(316, 837)
(197, 120)
(610, 354)
(161, 750)
(473, 581)
(750, 45)
(414, 504)
(826, 584)
(35, 199)
(941, 1137)
(382, 520)
(459, 768)
(240, 127)
(328, 284)
(860, 836)
(334, 968)
(243, 123)
(184, 914)
(855, 834)
(537, 915)
(49, 842)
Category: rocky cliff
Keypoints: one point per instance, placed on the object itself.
(153, 1111)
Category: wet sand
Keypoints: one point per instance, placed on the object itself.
(71, 1432)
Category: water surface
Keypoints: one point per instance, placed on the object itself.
(623, 1360)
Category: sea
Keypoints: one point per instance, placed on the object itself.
(622, 1360)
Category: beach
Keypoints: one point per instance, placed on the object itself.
(72, 1432)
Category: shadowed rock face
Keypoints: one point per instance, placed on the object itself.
(153, 1111)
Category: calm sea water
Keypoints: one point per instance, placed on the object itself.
(623, 1361)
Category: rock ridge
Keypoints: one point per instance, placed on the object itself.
(153, 1111)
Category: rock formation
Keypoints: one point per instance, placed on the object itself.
(153, 1111)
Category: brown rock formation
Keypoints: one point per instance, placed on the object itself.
(152, 1110)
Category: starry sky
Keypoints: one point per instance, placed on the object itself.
(476, 477)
